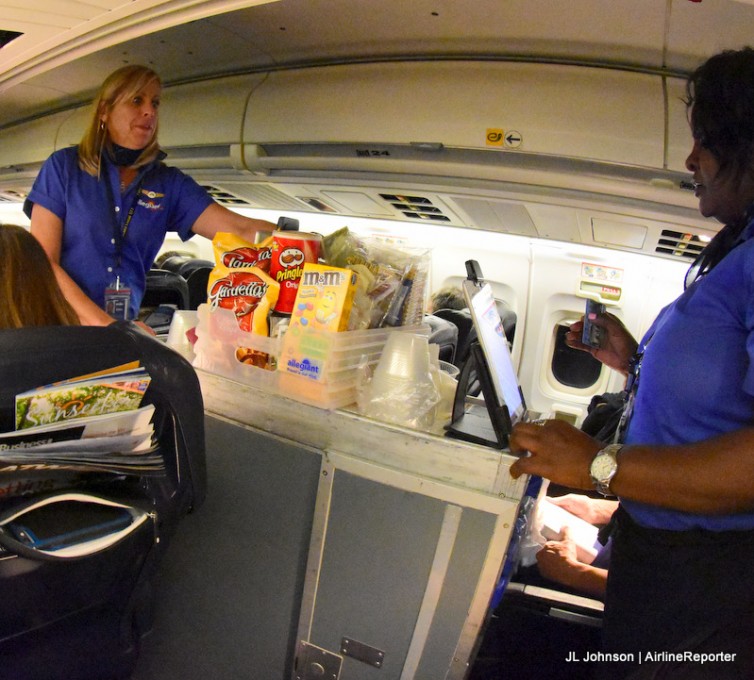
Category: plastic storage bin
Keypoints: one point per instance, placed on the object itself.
(320, 368)
(218, 338)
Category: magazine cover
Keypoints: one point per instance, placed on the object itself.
(77, 398)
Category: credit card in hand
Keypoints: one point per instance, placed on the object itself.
(592, 334)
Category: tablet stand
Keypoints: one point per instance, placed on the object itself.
(490, 426)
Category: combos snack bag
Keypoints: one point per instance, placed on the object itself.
(249, 293)
(233, 252)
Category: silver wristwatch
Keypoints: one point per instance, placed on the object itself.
(603, 468)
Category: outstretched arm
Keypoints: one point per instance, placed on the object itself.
(712, 476)
(217, 218)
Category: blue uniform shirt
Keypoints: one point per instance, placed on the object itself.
(697, 376)
(167, 200)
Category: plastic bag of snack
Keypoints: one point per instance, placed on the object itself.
(393, 279)
(233, 252)
(249, 293)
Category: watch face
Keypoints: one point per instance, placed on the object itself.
(603, 466)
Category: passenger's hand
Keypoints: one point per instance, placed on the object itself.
(557, 559)
(592, 510)
(617, 345)
(556, 450)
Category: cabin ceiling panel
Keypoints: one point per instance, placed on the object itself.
(198, 40)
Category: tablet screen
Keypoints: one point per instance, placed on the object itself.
(494, 344)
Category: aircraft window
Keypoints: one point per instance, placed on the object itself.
(572, 367)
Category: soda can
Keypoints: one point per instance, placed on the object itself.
(290, 250)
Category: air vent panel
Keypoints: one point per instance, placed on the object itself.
(679, 244)
(416, 207)
(254, 195)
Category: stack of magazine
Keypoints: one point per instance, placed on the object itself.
(91, 423)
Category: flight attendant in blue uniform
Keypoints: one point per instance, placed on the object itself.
(681, 577)
(101, 209)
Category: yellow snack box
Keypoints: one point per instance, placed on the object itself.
(324, 298)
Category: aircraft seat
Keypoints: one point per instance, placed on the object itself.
(443, 333)
(196, 271)
(83, 616)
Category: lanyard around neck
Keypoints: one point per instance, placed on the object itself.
(120, 231)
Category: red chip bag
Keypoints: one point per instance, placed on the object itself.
(249, 293)
(233, 252)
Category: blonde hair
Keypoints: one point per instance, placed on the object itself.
(29, 292)
(119, 86)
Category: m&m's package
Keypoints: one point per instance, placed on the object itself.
(324, 298)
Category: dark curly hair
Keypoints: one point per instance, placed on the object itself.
(720, 108)
(720, 105)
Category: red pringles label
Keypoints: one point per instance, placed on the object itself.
(290, 251)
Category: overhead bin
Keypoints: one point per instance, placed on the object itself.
(508, 125)
(31, 142)
(587, 113)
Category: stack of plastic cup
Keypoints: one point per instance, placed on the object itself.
(404, 360)
(402, 376)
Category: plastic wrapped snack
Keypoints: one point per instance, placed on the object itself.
(392, 279)
(233, 252)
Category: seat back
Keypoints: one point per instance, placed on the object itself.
(461, 318)
(31, 357)
(102, 601)
(443, 333)
(165, 288)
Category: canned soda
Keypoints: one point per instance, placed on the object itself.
(290, 250)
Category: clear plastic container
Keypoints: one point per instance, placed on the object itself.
(320, 368)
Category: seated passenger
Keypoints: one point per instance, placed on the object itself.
(449, 297)
(557, 560)
(29, 292)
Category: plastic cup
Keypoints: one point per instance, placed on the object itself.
(183, 320)
(405, 356)
(452, 370)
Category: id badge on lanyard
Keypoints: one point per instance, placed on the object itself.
(118, 300)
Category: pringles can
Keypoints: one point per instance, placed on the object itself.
(290, 250)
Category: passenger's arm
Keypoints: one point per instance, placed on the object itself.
(557, 562)
(48, 230)
(217, 218)
(592, 510)
(715, 476)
